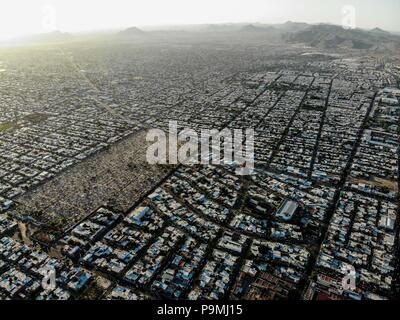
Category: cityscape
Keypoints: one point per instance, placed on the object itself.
(84, 215)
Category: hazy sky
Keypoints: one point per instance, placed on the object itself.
(20, 17)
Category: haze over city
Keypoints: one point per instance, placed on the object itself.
(23, 17)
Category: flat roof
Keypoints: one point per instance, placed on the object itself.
(287, 210)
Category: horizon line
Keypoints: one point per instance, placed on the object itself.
(159, 27)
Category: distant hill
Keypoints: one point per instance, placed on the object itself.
(380, 31)
(332, 36)
(257, 28)
(132, 32)
(290, 26)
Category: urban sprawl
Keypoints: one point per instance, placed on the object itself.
(78, 197)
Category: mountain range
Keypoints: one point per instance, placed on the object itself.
(323, 36)
(331, 36)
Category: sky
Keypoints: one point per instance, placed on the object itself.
(23, 17)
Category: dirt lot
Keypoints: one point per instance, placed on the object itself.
(118, 176)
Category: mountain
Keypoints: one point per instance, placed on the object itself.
(132, 32)
(258, 28)
(331, 36)
(250, 28)
(380, 32)
(290, 26)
